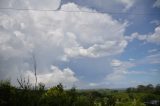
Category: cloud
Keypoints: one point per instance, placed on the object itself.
(55, 36)
(116, 63)
(31, 4)
(157, 3)
(128, 3)
(156, 22)
(152, 38)
(153, 50)
(66, 77)
(98, 50)
(155, 37)
(135, 36)
(103, 5)
(153, 58)
(93, 84)
(62, 32)
(120, 69)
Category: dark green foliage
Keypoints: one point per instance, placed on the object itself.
(57, 96)
(7, 93)
(72, 96)
(12, 96)
(111, 101)
(157, 89)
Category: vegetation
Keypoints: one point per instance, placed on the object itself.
(27, 95)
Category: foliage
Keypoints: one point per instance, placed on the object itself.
(58, 96)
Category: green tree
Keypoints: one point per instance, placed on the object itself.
(72, 96)
(7, 93)
(55, 96)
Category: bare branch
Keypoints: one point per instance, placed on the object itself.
(21, 85)
(35, 68)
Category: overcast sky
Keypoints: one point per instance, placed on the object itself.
(86, 43)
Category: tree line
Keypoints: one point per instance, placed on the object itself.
(28, 95)
(145, 88)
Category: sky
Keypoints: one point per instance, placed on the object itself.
(82, 43)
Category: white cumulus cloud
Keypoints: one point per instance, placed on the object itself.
(155, 37)
(152, 38)
(70, 34)
(66, 77)
(55, 36)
